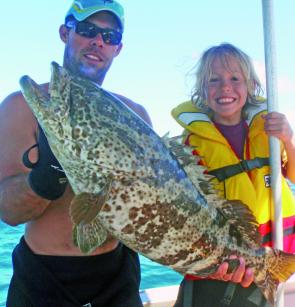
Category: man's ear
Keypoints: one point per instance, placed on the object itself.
(63, 33)
(119, 48)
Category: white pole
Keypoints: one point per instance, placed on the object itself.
(275, 156)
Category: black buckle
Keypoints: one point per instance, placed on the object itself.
(244, 165)
(248, 165)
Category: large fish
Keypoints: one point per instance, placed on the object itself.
(146, 191)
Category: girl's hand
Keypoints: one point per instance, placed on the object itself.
(242, 275)
(276, 124)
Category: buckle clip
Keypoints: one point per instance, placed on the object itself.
(244, 165)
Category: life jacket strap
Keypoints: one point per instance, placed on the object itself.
(228, 171)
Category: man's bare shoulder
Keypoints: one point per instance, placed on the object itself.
(13, 100)
(17, 133)
(15, 103)
(14, 112)
(137, 108)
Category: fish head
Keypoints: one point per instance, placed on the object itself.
(51, 108)
(66, 114)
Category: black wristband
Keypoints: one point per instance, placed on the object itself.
(46, 183)
(47, 178)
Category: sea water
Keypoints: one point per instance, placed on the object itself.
(153, 274)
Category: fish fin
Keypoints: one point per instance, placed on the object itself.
(281, 266)
(89, 236)
(242, 220)
(202, 181)
(86, 206)
(182, 152)
(88, 233)
(243, 224)
(195, 171)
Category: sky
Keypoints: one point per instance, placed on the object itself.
(163, 40)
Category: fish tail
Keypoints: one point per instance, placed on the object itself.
(280, 267)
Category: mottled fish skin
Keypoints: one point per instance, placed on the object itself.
(146, 191)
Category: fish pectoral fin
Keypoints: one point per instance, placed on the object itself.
(89, 236)
(86, 206)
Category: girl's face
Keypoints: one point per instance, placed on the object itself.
(226, 91)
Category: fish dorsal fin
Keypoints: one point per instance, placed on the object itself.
(189, 162)
(182, 152)
(240, 217)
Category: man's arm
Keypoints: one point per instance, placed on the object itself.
(137, 108)
(18, 203)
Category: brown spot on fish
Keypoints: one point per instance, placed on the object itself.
(128, 229)
(172, 259)
(106, 208)
(133, 212)
(206, 244)
(125, 197)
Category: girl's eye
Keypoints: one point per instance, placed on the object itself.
(213, 79)
(235, 78)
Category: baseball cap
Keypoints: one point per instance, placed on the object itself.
(82, 9)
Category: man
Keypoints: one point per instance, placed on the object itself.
(48, 269)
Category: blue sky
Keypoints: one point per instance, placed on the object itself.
(162, 42)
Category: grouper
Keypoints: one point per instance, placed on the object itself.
(147, 191)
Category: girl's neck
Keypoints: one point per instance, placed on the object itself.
(235, 135)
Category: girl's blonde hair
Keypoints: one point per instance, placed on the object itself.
(204, 72)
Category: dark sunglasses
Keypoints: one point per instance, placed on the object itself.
(89, 30)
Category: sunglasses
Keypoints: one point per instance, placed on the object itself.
(89, 30)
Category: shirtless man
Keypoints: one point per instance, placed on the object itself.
(48, 269)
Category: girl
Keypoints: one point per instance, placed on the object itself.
(227, 125)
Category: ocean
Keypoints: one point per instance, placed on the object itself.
(153, 274)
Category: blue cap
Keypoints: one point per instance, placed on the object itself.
(82, 9)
